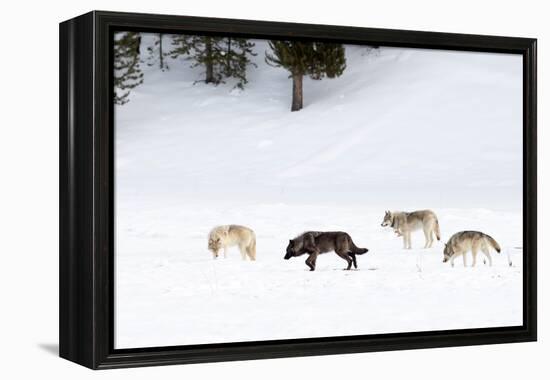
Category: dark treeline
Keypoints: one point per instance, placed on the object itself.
(127, 69)
(223, 58)
(220, 57)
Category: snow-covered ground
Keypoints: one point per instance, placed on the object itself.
(401, 129)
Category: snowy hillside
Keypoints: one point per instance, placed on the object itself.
(447, 125)
(400, 129)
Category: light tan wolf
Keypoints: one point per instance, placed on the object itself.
(464, 241)
(403, 223)
(231, 235)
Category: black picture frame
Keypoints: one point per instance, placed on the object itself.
(86, 297)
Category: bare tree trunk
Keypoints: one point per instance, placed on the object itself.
(297, 92)
(228, 55)
(209, 63)
(138, 45)
(161, 54)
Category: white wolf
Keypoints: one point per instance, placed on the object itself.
(403, 223)
(462, 242)
(231, 235)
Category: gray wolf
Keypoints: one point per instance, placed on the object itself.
(222, 237)
(464, 241)
(315, 243)
(403, 223)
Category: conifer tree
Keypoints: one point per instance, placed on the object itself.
(221, 57)
(237, 59)
(157, 53)
(182, 44)
(315, 59)
(202, 51)
(127, 73)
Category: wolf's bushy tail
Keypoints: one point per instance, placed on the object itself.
(493, 243)
(355, 249)
(437, 231)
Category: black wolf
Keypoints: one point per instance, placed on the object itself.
(315, 242)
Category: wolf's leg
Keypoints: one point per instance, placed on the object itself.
(406, 239)
(345, 256)
(453, 260)
(309, 264)
(350, 262)
(488, 255)
(214, 255)
(310, 261)
(474, 255)
(427, 234)
(464, 260)
(251, 253)
(354, 258)
(242, 248)
(224, 253)
(251, 249)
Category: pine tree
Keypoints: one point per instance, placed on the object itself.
(315, 59)
(127, 73)
(157, 53)
(222, 57)
(203, 51)
(237, 59)
(182, 44)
